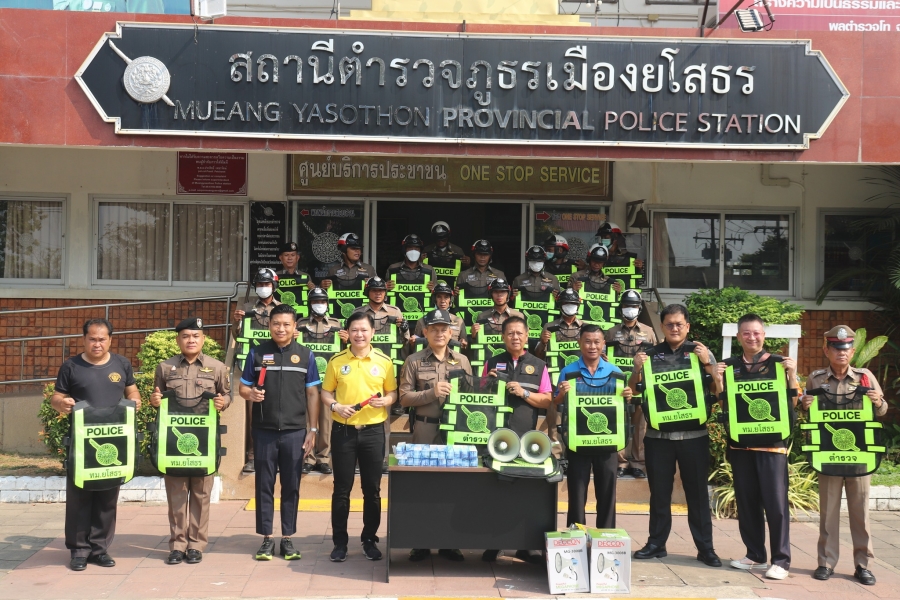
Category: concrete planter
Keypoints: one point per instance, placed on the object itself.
(31, 490)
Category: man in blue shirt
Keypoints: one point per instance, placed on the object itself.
(594, 377)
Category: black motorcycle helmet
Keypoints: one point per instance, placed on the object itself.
(316, 294)
(499, 285)
(631, 298)
(375, 283)
(440, 230)
(568, 296)
(482, 247)
(559, 244)
(535, 253)
(598, 253)
(412, 241)
(348, 240)
(441, 287)
(266, 275)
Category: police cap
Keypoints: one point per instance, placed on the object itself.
(437, 317)
(288, 247)
(840, 336)
(192, 323)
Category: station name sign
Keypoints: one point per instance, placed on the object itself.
(326, 84)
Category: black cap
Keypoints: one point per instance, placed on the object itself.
(192, 323)
(437, 317)
(288, 247)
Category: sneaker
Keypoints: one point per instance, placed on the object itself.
(287, 550)
(265, 551)
(371, 550)
(339, 554)
(776, 572)
(419, 554)
(746, 564)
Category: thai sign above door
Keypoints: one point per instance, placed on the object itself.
(218, 80)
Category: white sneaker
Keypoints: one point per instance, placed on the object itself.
(746, 564)
(776, 572)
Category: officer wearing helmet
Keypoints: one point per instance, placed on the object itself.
(265, 281)
(625, 340)
(494, 317)
(350, 274)
(410, 269)
(556, 248)
(592, 278)
(536, 283)
(317, 329)
(443, 253)
(611, 238)
(473, 282)
(442, 298)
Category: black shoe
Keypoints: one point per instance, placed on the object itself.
(371, 550)
(103, 560)
(306, 468)
(356, 469)
(533, 557)
(265, 551)
(193, 556)
(452, 554)
(638, 474)
(823, 573)
(384, 468)
(418, 554)
(175, 557)
(651, 551)
(490, 555)
(249, 467)
(287, 550)
(339, 554)
(709, 558)
(324, 469)
(78, 563)
(864, 576)
(397, 410)
(620, 472)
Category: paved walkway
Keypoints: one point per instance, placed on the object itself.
(33, 563)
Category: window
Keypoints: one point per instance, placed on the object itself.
(846, 246)
(709, 250)
(577, 223)
(31, 239)
(168, 242)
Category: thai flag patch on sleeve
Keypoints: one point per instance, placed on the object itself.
(501, 366)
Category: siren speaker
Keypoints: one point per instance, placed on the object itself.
(503, 445)
(535, 447)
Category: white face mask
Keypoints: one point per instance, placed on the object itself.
(569, 309)
(319, 309)
(413, 255)
(630, 313)
(535, 266)
(264, 292)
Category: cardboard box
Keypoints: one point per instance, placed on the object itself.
(567, 562)
(610, 569)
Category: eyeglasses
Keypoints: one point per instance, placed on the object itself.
(675, 326)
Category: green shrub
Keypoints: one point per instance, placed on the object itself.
(709, 309)
(157, 347)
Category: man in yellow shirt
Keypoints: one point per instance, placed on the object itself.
(360, 374)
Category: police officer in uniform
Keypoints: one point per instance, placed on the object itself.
(535, 283)
(840, 378)
(285, 402)
(592, 278)
(410, 269)
(495, 317)
(476, 279)
(424, 385)
(612, 239)
(558, 263)
(100, 378)
(443, 253)
(528, 389)
(442, 296)
(319, 327)
(189, 374)
(264, 283)
(350, 274)
(626, 339)
(688, 448)
(289, 256)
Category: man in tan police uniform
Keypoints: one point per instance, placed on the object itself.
(442, 296)
(840, 378)
(189, 374)
(476, 279)
(500, 312)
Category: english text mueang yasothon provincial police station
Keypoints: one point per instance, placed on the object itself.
(745, 151)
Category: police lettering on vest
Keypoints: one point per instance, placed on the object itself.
(622, 356)
(599, 307)
(102, 445)
(594, 420)
(623, 268)
(251, 336)
(758, 405)
(413, 299)
(324, 347)
(674, 397)
(345, 301)
(186, 443)
(537, 312)
(292, 290)
(470, 417)
(561, 354)
(484, 346)
(842, 441)
(443, 268)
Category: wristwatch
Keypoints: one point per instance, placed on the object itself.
(333, 404)
(526, 395)
(314, 430)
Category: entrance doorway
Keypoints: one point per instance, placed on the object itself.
(498, 222)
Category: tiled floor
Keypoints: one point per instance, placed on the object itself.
(33, 563)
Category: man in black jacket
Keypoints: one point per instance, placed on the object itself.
(280, 378)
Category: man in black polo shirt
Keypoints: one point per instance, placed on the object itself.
(101, 379)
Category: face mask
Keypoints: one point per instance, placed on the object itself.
(569, 309)
(630, 313)
(413, 255)
(319, 309)
(549, 255)
(264, 292)
(535, 266)
(606, 243)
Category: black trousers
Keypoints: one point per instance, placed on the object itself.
(578, 477)
(350, 446)
(761, 491)
(283, 449)
(692, 458)
(90, 520)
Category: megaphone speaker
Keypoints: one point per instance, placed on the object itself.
(503, 445)
(535, 447)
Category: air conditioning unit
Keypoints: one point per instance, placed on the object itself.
(208, 9)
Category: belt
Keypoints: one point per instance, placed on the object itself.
(344, 425)
(431, 420)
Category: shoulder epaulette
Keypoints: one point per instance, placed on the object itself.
(818, 372)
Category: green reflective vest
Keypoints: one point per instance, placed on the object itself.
(674, 396)
(484, 346)
(344, 302)
(628, 274)
(470, 308)
(186, 443)
(292, 291)
(843, 442)
(471, 417)
(561, 354)
(595, 420)
(599, 308)
(250, 337)
(760, 411)
(615, 356)
(563, 278)
(413, 299)
(391, 345)
(102, 445)
(537, 313)
(324, 348)
(449, 272)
